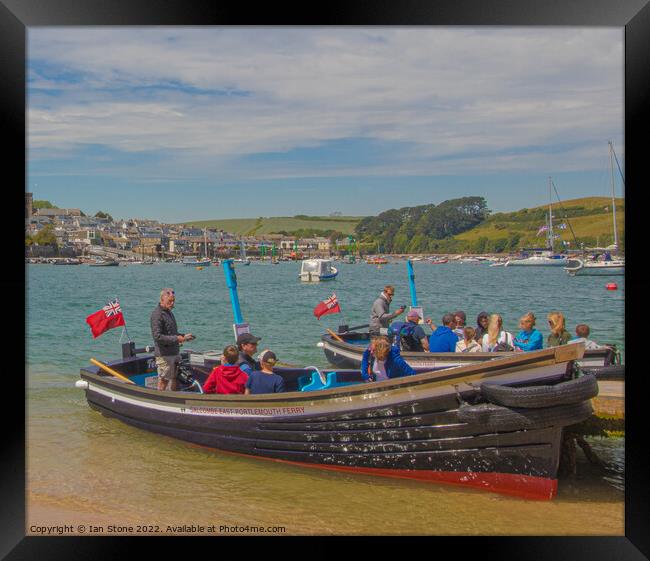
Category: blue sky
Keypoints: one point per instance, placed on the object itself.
(177, 124)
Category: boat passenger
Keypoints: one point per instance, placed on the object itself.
(247, 345)
(559, 335)
(443, 339)
(468, 344)
(380, 361)
(481, 325)
(265, 380)
(379, 316)
(461, 319)
(412, 336)
(582, 336)
(227, 378)
(496, 339)
(529, 339)
(167, 340)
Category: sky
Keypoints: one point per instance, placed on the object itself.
(196, 123)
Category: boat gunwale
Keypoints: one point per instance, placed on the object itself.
(392, 388)
(478, 357)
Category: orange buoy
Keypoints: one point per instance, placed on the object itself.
(611, 286)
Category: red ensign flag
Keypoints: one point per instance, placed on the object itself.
(108, 317)
(329, 306)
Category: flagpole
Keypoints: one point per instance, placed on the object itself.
(125, 329)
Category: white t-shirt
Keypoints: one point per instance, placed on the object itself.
(589, 344)
(504, 337)
(379, 368)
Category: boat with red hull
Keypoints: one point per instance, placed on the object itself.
(435, 426)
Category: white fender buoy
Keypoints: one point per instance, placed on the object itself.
(81, 384)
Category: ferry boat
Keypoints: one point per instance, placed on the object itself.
(377, 261)
(345, 350)
(316, 270)
(440, 426)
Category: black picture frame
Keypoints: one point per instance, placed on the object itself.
(18, 15)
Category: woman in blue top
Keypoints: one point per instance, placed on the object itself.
(380, 361)
(529, 339)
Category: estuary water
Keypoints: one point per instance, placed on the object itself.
(85, 469)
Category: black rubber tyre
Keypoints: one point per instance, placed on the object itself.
(533, 397)
(613, 372)
(497, 417)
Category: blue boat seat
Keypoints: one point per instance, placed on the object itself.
(314, 384)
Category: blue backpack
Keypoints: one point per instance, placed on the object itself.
(404, 333)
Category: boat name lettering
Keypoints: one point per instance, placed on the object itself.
(247, 411)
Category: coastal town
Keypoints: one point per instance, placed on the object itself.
(72, 237)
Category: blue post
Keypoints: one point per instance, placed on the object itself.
(414, 298)
(231, 283)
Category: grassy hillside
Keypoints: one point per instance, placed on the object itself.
(590, 218)
(262, 225)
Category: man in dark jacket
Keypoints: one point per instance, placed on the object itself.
(167, 340)
(247, 345)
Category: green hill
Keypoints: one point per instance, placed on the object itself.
(264, 225)
(454, 226)
(589, 218)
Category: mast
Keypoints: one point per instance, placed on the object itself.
(611, 165)
(205, 242)
(550, 214)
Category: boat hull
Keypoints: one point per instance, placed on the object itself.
(348, 354)
(406, 427)
(605, 269)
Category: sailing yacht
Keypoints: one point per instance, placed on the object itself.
(542, 257)
(603, 264)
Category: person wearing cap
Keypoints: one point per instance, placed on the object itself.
(167, 340)
(247, 345)
(420, 341)
(379, 316)
(265, 380)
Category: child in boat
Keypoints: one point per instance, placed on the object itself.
(582, 336)
(467, 344)
(227, 378)
(265, 381)
(380, 361)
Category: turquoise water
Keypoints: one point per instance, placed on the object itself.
(80, 461)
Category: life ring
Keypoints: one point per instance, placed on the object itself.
(533, 397)
(497, 417)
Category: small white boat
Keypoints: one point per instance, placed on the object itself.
(581, 267)
(544, 258)
(194, 261)
(316, 270)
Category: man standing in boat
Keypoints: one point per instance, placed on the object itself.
(167, 340)
(379, 316)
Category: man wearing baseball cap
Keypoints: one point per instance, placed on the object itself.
(247, 345)
(419, 335)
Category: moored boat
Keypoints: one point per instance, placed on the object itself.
(104, 263)
(437, 426)
(345, 350)
(315, 270)
(583, 267)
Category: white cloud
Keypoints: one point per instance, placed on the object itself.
(469, 94)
